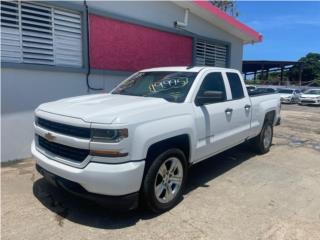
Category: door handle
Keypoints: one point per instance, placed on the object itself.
(247, 107)
(228, 111)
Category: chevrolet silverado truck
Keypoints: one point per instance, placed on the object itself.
(137, 142)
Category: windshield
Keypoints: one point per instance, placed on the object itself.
(288, 91)
(171, 86)
(313, 91)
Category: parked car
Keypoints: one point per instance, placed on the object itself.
(140, 139)
(310, 97)
(288, 95)
(251, 88)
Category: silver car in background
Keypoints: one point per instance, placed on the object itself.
(289, 95)
(310, 97)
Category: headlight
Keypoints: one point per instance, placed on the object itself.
(108, 135)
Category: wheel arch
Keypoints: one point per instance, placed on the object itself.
(181, 142)
(270, 117)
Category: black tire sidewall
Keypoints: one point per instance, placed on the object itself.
(148, 183)
(262, 147)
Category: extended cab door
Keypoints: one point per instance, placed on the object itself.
(240, 106)
(225, 122)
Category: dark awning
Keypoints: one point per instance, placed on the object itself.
(252, 66)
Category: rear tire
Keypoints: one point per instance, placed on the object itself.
(165, 180)
(263, 141)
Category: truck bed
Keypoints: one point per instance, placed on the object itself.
(259, 93)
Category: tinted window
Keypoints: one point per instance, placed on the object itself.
(313, 91)
(288, 91)
(235, 85)
(213, 82)
(266, 90)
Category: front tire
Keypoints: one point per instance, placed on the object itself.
(165, 180)
(263, 141)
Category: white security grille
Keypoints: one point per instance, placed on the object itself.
(67, 38)
(38, 34)
(209, 54)
(37, 38)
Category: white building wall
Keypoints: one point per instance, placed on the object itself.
(106, 81)
(23, 90)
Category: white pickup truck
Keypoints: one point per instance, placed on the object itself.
(138, 141)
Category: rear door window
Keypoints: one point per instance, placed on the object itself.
(235, 85)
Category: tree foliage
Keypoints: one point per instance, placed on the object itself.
(311, 68)
(228, 6)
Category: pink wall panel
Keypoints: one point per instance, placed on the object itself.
(117, 45)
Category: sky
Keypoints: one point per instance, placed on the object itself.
(290, 29)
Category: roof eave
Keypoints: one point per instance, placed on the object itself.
(220, 19)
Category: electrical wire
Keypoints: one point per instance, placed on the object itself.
(88, 51)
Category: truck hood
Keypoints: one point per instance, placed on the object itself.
(102, 108)
(310, 95)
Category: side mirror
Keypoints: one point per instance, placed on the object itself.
(208, 97)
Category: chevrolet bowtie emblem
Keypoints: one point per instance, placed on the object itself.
(49, 137)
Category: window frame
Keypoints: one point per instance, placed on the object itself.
(62, 6)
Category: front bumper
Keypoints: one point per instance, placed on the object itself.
(99, 178)
(286, 100)
(309, 102)
(124, 202)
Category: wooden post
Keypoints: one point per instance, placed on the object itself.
(281, 75)
(300, 73)
(262, 73)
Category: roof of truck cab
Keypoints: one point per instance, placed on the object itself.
(183, 69)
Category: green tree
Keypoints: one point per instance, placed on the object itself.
(311, 68)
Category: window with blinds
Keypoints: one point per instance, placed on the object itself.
(211, 54)
(38, 34)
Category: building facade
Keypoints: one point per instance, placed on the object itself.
(53, 50)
